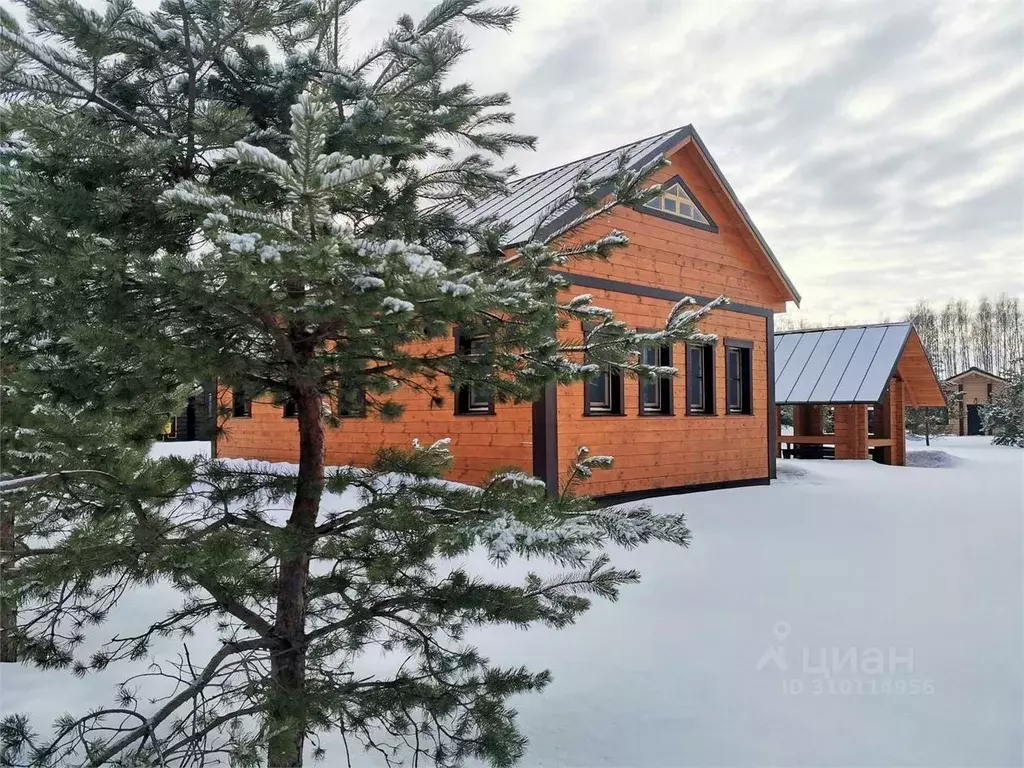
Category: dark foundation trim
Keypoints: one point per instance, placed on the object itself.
(545, 438)
(653, 493)
(632, 289)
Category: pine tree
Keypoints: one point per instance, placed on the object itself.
(1004, 416)
(926, 421)
(281, 219)
(79, 409)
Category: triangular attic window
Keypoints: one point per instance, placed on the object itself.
(675, 202)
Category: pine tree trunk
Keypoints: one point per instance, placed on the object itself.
(8, 612)
(288, 667)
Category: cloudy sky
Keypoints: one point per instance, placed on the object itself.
(879, 146)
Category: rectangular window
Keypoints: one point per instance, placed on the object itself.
(472, 399)
(291, 410)
(700, 379)
(241, 406)
(604, 394)
(656, 394)
(351, 402)
(738, 389)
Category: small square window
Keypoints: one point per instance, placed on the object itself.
(241, 406)
(351, 402)
(669, 204)
(291, 409)
(738, 390)
(700, 379)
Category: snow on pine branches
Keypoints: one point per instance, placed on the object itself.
(281, 221)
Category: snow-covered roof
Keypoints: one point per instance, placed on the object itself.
(975, 371)
(530, 197)
(847, 365)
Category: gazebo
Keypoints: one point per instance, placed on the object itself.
(864, 375)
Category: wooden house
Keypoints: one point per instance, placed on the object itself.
(975, 389)
(848, 388)
(713, 425)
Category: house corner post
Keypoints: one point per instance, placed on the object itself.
(545, 438)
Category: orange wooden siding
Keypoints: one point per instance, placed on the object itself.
(651, 452)
(666, 451)
(480, 444)
(676, 256)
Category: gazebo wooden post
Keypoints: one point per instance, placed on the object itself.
(897, 422)
(807, 421)
(851, 431)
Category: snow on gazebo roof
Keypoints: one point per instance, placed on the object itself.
(852, 365)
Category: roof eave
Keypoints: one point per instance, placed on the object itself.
(975, 371)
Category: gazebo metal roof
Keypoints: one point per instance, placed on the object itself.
(852, 365)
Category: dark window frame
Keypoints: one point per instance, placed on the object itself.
(616, 388)
(343, 394)
(464, 405)
(616, 394)
(708, 405)
(742, 350)
(241, 406)
(662, 384)
(290, 409)
(677, 179)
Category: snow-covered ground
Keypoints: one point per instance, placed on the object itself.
(850, 614)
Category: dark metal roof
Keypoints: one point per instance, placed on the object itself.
(837, 365)
(532, 196)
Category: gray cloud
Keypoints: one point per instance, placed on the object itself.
(879, 145)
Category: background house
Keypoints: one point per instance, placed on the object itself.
(711, 426)
(975, 389)
(198, 420)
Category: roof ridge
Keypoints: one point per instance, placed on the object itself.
(602, 152)
(976, 369)
(843, 327)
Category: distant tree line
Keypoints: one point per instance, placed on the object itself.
(987, 334)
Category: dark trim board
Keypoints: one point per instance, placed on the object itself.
(653, 493)
(632, 289)
(545, 438)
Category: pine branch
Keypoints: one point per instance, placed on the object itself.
(49, 62)
(105, 753)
